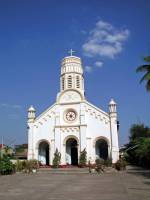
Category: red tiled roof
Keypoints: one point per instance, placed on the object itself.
(2, 145)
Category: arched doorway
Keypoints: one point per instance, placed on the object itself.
(72, 151)
(44, 153)
(101, 148)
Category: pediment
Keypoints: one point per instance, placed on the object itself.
(70, 96)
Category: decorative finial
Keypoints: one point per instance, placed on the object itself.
(112, 106)
(31, 114)
(71, 52)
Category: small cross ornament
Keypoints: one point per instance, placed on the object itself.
(71, 52)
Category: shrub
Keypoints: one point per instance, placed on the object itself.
(120, 164)
(117, 165)
(26, 165)
(108, 163)
(19, 166)
(83, 158)
(99, 161)
(6, 166)
(34, 164)
(56, 160)
(99, 165)
(30, 165)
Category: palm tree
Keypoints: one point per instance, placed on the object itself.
(145, 68)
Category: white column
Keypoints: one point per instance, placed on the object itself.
(89, 148)
(114, 137)
(36, 152)
(52, 150)
(63, 154)
(57, 133)
(30, 141)
(83, 137)
(57, 139)
(82, 129)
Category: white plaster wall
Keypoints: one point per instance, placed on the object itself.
(43, 130)
(98, 125)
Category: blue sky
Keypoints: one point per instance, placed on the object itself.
(110, 36)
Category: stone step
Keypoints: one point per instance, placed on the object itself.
(73, 170)
(64, 170)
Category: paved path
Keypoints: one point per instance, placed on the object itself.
(134, 184)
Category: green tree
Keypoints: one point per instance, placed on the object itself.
(138, 148)
(83, 158)
(143, 152)
(145, 68)
(6, 166)
(138, 131)
(56, 160)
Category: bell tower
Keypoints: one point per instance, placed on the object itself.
(72, 74)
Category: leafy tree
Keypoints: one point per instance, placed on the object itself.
(143, 152)
(138, 148)
(145, 68)
(56, 160)
(138, 131)
(83, 158)
(6, 166)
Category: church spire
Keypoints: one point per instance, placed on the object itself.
(72, 73)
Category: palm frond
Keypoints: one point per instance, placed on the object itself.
(147, 58)
(143, 68)
(148, 86)
(146, 77)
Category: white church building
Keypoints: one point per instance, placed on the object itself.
(73, 124)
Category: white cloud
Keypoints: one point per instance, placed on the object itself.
(83, 32)
(4, 105)
(105, 40)
(99, 64)
(13, 116)
(13, 111)
(16, 106)
(88, 69)
(11, 106)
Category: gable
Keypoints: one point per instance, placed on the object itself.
(48, 113)
(96, 112)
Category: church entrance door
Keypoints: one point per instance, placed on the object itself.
(102, 149)
(44, 153)
(72, 152)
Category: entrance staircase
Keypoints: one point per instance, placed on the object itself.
(71, 170)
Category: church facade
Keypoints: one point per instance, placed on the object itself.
(73, 124)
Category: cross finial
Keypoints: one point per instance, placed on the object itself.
(71, 52)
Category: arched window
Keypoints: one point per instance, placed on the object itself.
(77, 82)
(69, 82)
(63, 83)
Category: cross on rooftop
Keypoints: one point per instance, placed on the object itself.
(71, 52)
